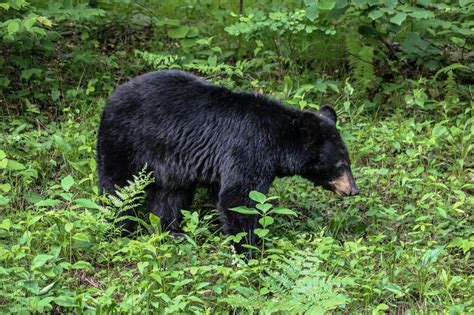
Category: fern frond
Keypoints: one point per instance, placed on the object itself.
(451, 88)
(131, 196)
(361, 60)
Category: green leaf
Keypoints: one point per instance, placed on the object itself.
(61, 143)
(86, 203)
(442, 212)
(284, 211)
(4, 200)
(81, 237)
(5, 6)
(244, 210)
(263, 207)
(395, 289)
(155, 221)
(326, 4)
(266, 221)
(46, 288)
(431, 256)
(65, 301)
(375, 14)
(13, 27)
(142, 265)
(28, 73)
(257, 196)
(178, 32)
(188, 42)
(82, 265)
(6, 224)
(40, 260)
(261, 232)
(48, 203)
(193, 32)
(67, 182)
(18, 4)
(68, 227)
(312, 12)
(398, 18)
(5, 187)
(212, 61)
(421, 14)
(439, 131)
(45, 21)
(464, 3)
(2, 155)
(14, 165)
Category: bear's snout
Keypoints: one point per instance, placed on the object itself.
(344, 185)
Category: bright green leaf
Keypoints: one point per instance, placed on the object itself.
(312, 12)
(67, 182)
(82, 237)
(261, 232)
(68, 227)
(244, 210)
(14, 165)
(257, 196)
(395, 289)
(178, 32)
(266, 221)
(188, 42)
(65, 301)
(40, 260)
(326, 4)
(264, 207)
(155, 221)
(398, 18)
(142, 265)
(82, 265)
(45, 21)
(442, 212)
(86, 203)
(47, 288)
(13, 27)
(48, 203)
(6, 224)
(375, 14)
(4, 200)
(5, 187)
(284, 211)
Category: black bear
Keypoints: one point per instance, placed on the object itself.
(192, 133)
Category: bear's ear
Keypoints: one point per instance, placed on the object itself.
(328, 112)
(309, 125)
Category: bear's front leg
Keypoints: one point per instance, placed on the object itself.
(167, 204)
(232, 196)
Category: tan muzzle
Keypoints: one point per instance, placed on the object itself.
(345, 185)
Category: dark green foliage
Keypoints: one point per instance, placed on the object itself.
(398, 73)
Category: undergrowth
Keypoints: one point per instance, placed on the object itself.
(400, 78)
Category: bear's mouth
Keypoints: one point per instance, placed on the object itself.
(344, 185)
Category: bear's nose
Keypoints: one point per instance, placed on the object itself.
(354, 191)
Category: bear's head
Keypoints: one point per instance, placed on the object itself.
(327, 162)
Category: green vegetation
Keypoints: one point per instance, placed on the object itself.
(399, 73)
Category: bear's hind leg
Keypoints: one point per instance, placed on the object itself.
(114, 171)
(167, 205)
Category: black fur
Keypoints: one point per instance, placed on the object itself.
(190, 133)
